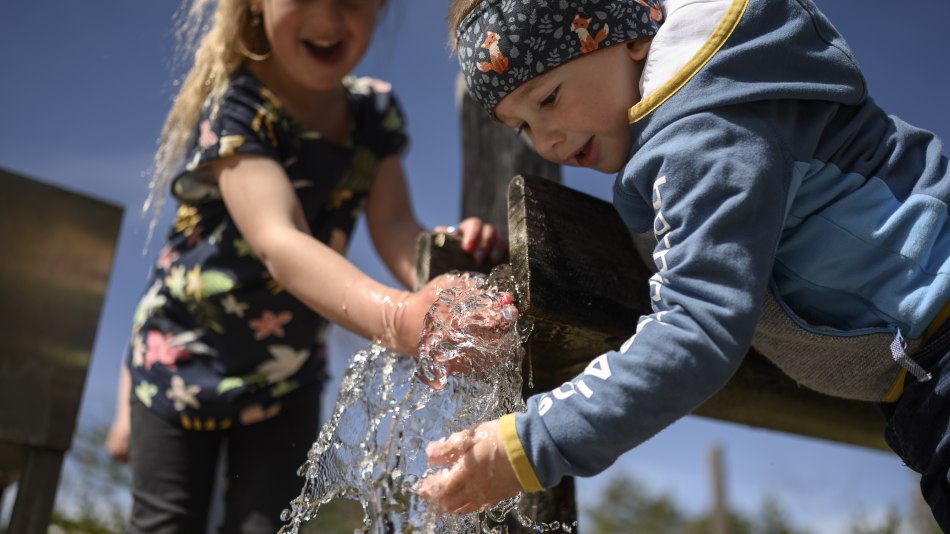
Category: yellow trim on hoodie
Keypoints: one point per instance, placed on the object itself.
(712, 45)
(516, 455)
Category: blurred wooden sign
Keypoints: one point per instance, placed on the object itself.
(57, 248)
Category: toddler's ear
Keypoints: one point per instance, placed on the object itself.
(638, 48)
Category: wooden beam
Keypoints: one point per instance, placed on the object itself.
(583, 286)
(439, 253)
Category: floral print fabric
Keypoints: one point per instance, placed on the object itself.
(216, 341)
(503, 43)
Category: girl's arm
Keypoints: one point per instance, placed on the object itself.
(117, 442)
(391, 221)
(264, 206)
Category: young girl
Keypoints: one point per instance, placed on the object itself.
(282, 150)
(782, 208)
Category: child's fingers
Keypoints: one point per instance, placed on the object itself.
(449, 489)
(447, 450)
(483, 240)
(478, 478)
(471, 230)
(493, 242)
(445, 490)
(430, 486)
(499, 248)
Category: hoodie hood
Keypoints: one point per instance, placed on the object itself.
(763, 54)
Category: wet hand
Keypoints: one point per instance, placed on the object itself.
(469, 328)
(477, 472)
(410, 314)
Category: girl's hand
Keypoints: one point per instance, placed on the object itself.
(478, 474)
(469, 329)
(117, 442)
(480, 239)
(410, 314)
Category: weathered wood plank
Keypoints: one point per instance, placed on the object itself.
(439, 253)
(571, 257)
(583, 286)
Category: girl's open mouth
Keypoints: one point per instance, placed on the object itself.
(325, 51)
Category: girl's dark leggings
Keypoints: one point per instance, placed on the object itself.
(174, 472)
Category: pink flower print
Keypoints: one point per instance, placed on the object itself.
(166, 257)
(270, 325)
(207, 138)
(162, 350)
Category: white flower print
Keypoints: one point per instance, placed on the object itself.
(138, 351)
(183, 395)
(286, 361)
(233, 307)
(189, 340)
(151, 301)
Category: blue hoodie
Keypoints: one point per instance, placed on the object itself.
(783, 209)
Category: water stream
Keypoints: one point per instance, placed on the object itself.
(389, 407)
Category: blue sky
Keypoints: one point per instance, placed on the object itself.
(86, 87)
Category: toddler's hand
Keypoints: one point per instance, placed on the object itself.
(478, 474)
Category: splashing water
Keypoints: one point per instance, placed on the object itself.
(372, 449)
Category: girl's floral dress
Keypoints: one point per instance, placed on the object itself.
(216, 340)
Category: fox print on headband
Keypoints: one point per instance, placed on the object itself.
(503, 43)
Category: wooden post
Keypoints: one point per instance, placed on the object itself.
(720, 510)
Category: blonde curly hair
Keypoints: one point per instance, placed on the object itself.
(217, 35)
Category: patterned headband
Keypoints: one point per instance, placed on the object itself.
(504, 43)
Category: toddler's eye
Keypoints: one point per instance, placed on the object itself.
(550, 99)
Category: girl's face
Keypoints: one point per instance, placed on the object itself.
(317, 42)
(576, 114)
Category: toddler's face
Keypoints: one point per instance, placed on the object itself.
(576, 114)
